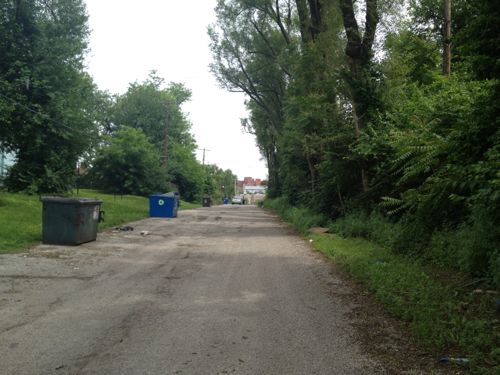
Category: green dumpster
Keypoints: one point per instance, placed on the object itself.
(207, 201)
(70, 221)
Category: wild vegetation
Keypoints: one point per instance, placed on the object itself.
(377, 113)
(65, 132)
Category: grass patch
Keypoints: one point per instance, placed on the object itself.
(20, 221)
(444, 319)
(21, 216)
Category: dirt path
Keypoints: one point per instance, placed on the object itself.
(216, 291)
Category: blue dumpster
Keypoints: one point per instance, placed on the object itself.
(163, 205)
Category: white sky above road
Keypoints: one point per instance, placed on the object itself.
(132, 37)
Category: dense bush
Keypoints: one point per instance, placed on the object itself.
(302, 219)
(375, 227)
(128, 164)
(470, 248)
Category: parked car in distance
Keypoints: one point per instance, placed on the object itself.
(237, 200)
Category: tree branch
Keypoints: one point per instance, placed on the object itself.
(371, 22)
(353, 48)
(284, 32)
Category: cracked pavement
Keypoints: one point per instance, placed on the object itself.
(220, 290)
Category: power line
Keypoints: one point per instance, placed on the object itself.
(20, 104)
(37, 112)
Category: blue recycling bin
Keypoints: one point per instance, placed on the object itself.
(163, 205)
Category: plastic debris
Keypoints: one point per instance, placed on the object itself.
(144, 233)
(455, 360)
(126, 228)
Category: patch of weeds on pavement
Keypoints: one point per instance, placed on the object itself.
(446, 320)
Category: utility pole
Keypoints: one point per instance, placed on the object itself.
(2, 163)
(167, 123)
(204, 150)
(447, 39)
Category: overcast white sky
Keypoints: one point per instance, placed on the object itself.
(132, 37)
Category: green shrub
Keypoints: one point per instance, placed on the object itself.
(374, 227)
(128, 164)
(302, 219)
(470, 247)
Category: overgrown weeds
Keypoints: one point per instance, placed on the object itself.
(470, 248)
(301, 219)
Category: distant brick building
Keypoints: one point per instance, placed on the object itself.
(248, 181)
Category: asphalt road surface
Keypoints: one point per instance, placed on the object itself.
(221, 290)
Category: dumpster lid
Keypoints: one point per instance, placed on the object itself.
(170, 194)
(72, 200)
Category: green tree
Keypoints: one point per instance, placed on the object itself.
(218, 183)
(45, 96)
(251, 45)
(127, 163)
(156, 110)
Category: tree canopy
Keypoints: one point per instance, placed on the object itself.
(45, 96)
(155, 109)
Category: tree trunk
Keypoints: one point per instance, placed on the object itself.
(447, 38)
(274, 187)
(312, 171)
(316, 23)
(305, 20)
(310, 18)
(359, 54)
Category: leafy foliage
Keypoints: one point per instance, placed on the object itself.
(252, 45)
(46, 97)
(156, 111)
(128, 164)
(218, 183)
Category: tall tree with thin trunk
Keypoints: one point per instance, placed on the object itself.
(250, 43)
(447, 38)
